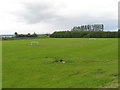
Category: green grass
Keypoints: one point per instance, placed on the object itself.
(0, 63)
(89, 63)
(113, 84)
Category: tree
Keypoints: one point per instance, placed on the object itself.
(16, 33)
(34, 35)
(28, 33)
(84, 34)
(102, 27)
(94, 27)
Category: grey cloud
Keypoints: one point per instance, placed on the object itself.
(68, 23)
(38, 12)
(119, 14)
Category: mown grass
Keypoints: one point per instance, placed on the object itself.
(0, 63)
(89, 63)
(113, 84)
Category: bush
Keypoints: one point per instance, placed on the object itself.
(84, 34)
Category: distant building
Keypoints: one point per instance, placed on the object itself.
(95, 27)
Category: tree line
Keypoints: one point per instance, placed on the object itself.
(25, 35)
(118, 33)
(94, 27)
(84, 34)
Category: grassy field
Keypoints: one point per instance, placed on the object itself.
(0, 63)
(89, 63)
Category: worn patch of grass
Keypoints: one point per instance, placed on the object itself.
(113, 84)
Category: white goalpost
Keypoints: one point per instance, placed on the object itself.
(34, 43)
(92, 38)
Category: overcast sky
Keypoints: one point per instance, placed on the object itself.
(47, 16)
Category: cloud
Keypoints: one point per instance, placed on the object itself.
(67, 23)
(37, 12)
(45, 12)
(51, 15)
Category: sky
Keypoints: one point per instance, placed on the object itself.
(47, 16)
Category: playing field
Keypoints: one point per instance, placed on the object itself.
(89, 63)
